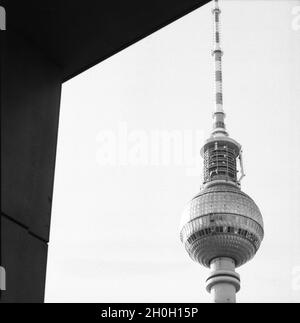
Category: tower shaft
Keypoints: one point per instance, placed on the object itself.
(223, 282)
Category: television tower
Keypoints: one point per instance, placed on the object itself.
(222, 227)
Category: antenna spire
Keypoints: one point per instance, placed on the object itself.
(218, 115)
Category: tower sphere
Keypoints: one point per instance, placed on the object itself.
(221, 221)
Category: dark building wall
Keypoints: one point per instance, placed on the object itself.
(76, 37)
(30, 99)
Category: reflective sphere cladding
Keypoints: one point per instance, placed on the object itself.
(221, 221)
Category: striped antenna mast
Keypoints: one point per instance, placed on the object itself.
(219, 128)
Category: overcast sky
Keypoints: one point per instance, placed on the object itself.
(120, 187)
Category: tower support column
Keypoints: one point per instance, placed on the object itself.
(223, 282)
